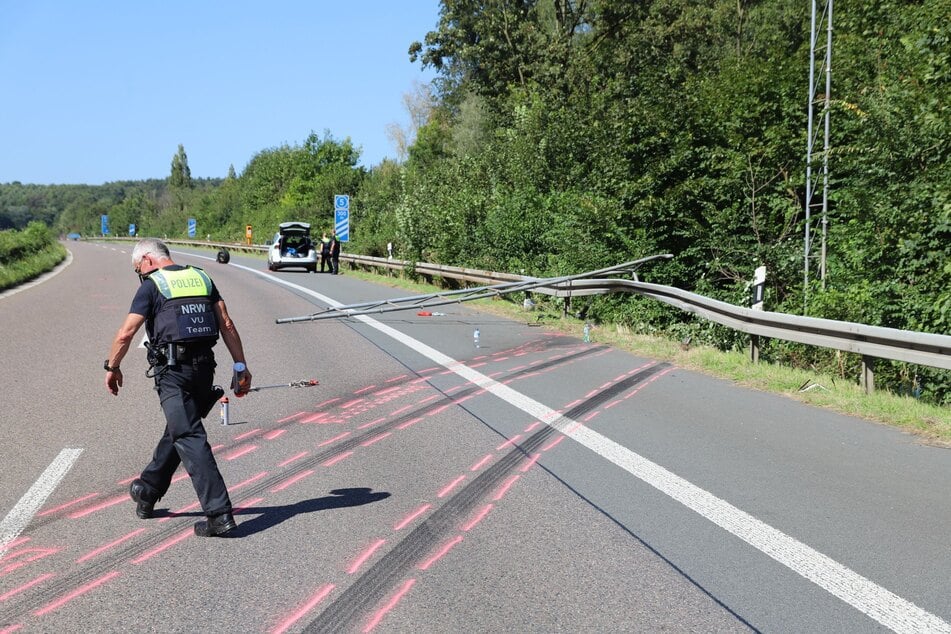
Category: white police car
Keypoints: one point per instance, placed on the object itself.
(292, 247)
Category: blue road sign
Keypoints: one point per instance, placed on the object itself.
(104, 221)
(342, 224)
(192, 227)
(342, 217)
(132, 230)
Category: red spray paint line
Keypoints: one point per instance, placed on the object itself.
(99, 507)
(71, 503)
(350, 404)
(481, 463)
(247, 434)
(409, 422)
(290, 481)
(553, 443)
(237, 453)
(334, 439)
(510, 441)
(365, 389)
(254, 478)
(34, 554)
(164, 546)
(478, 517)
(293, 458)
(271, 435)
(449, 487)
(58, 603)
(528, 465)
(286, 624)
(397, 378)
(412, 516)
(367, 443)
(382, 612)
(25, 586)
(292, 417)
(505, 487)
(185, 509)
(440, 553)
(372, 422)
(108, 546)
(11, 629)
(327, 402)
(17, 542)
(362, 559)
(336, 459)
(402, 409)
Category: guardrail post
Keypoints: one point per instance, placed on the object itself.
(754, 348)
(867, 379)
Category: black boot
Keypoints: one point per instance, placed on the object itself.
(215, 525)
(138, 491)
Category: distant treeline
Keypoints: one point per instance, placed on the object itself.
(563, 136)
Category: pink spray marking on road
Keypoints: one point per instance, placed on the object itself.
(336, 459)
(69, 504)
(25, 586)
(440, 553)
(109, 546)
(382, 612)
(365, 555)
(412, 516)
(449, 487)
(58, 603)
(286, 624)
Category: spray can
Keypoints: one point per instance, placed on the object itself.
(224, 410)
(475, 338)
(239, 381)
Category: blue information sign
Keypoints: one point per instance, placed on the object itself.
(342, 217)
(132, 230)
(192, 227)
(104, 220)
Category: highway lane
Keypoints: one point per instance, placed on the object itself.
(404, 493)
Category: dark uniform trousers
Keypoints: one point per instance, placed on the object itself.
(184, 391)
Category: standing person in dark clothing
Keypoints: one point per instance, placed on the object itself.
(183, 315)
(325, 254)
(335, 254)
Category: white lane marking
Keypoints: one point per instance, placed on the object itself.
(59, 268)
(876, 602)
(22, 513)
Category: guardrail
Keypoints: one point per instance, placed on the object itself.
(871, 342)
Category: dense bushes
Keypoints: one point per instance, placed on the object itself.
(27, 253)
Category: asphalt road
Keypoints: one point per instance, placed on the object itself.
(534, 484)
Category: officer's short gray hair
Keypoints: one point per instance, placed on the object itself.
(150, 246)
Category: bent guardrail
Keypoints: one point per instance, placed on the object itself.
(871, 342)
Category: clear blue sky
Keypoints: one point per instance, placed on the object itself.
(102, 91)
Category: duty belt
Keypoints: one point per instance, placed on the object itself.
(185, 353)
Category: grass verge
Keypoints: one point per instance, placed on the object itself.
(931, 423)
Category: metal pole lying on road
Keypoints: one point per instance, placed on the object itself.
(469, 294)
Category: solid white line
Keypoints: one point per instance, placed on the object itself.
(22, 513)
(864, 595)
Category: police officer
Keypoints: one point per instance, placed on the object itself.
(335, 255)
(183, 315)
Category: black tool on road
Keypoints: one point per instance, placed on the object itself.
(302, 383)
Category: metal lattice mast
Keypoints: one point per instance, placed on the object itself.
(815, 49)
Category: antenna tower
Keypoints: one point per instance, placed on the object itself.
(816, 49)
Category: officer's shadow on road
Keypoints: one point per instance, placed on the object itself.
(269, 516)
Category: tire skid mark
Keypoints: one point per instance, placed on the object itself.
(102, 571)
(430, 540)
